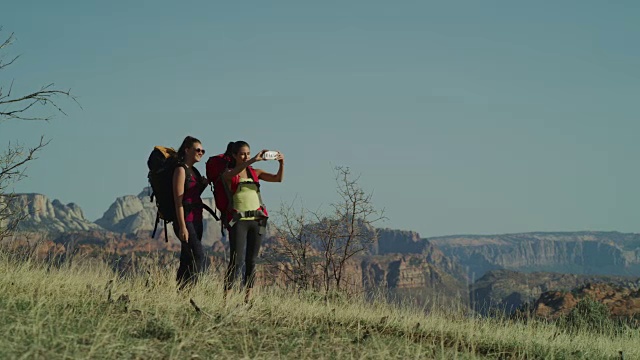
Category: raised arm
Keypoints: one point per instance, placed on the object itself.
(228, 175)
(268, 177)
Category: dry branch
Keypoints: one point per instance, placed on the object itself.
(14, 159)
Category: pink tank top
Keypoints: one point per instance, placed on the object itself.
(192, 196)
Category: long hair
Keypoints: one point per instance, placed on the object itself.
(229, 151)
(232, 149)
(186, 144)
(238, 145)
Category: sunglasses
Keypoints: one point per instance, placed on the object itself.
(198, 150)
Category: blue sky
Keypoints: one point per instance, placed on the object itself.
(462, 117)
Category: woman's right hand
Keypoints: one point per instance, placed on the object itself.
(258, 156)
(184, 234)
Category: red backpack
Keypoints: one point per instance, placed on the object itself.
(223, 195)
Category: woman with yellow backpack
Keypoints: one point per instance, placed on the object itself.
(188, 184)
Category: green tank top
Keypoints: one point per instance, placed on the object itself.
(246, 197)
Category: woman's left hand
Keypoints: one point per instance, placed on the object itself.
(280, 157)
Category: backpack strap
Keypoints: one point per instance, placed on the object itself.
(200, 180)
(254, 177)
(260, 213)
(193, 172)
(211, 211)
(156, 226)
(166, 236)
(188, 173)
(225, 219)
(202, 206)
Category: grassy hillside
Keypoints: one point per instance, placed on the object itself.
(88, 312)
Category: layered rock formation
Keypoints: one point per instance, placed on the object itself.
(130, 214)
(609, 253)
(44, 215)
(391, 241)
(398, 261)
(399, 264)
(121, 252)
(411, 272)
(133, 214)
(505, 290)
(412, 267)
(622, 302)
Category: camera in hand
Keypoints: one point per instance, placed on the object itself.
(270, 155)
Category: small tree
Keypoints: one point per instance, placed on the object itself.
(325, 236)
(317, 247)
(16, 156)
(355, 216)
(12, 170)
(293, 253)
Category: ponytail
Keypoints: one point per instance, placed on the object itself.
(230, 148)
(229, 153)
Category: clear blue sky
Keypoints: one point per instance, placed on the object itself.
(462, 117)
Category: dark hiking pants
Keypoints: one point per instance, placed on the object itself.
(244, 243)
(191, 255)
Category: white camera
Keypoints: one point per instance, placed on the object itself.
(270, 155)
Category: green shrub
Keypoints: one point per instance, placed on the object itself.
(589, 315)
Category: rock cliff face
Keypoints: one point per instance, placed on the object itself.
(122, 252)
(44, 215)
(411, 266)
(399, 261)
(412, 271)
(399, 264)
(133, 214)
(505, 290)
(129, 214)
(399, 241)
(609, 253)
(622, 302)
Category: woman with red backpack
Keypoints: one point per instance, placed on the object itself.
(247, 218)
(188, 184)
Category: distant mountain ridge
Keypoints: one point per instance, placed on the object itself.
(400, 261)
(508, 290)
(44, 215)
(584, 252)
(131, 214)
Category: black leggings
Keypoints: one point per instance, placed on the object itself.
(244, 243)
(191, 254)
